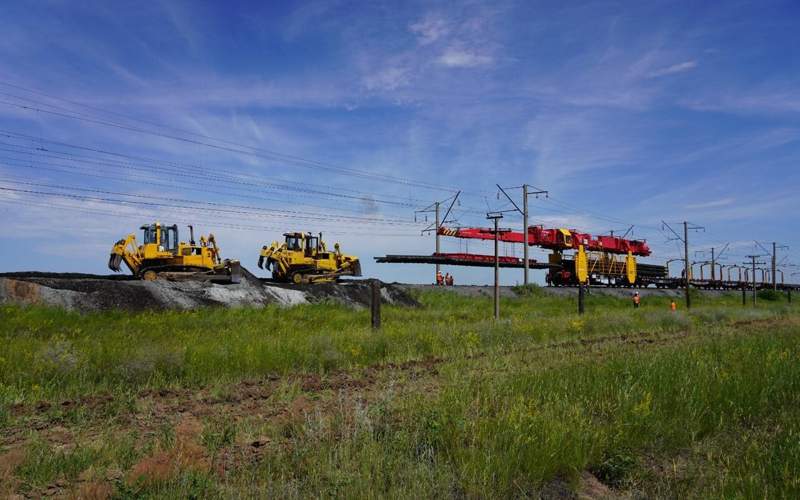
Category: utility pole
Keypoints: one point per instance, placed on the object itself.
(775, 248)
(496, 271)
(438, 244)
(687, 270)
(753, 258)
(715, 257)
(524, 212)
(774, 254)
(438, 222)
(753, 263)
(713, 265)
(774, 265)
(496, 216)
(525, 234)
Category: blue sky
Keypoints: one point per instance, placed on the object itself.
(345, 116)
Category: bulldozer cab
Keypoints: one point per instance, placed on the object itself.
(299, 242)
(166, 237)
(294, 241)
(312, 245)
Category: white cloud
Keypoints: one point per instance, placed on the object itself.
(674, 69)
(461, 58)
(569, 146)
(429, 29)
(388, 79)
(711, 204)
(780, 97)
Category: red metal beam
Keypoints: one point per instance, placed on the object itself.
(555, 239)
(460, 259)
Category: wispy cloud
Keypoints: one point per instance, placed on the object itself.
(430, 29)
(461, 58)
(711, 204)
(390, 78)
(772, 98)
(674, 69)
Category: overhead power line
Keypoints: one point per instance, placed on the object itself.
(210, 222)
(132, 162)
(225, 145)
(216, 174)
(183, 203)
(179, 181)
(182, 184)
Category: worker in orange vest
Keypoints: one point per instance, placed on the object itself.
(673, 306)
(636, 300)
(439, 278)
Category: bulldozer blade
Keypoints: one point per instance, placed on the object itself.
(229, 271)
(114, 261)
(357, 268)
(236, 271)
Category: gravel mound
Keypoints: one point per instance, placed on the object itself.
(86, 292)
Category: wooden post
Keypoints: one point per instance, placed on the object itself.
(375, 303)
(580, 298)
(744, 296)
(789, 295)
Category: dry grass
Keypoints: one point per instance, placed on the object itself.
(187, 455)
(94, 490)
(9, 461)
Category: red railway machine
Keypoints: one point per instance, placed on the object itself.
(608, 259)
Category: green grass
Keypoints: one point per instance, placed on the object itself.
(540, 396)
(47, 353)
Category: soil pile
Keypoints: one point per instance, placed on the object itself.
(86, 292)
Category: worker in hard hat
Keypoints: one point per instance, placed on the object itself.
(636, 300)
(673, 306)
(439, 278)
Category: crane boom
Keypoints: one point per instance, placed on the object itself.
(555, 239)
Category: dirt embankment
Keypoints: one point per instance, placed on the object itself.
(85, 292)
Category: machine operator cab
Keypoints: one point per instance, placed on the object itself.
(294, 241)
(165, 237)
(306, 243)
(312, 245)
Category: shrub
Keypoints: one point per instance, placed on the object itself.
(770, 295)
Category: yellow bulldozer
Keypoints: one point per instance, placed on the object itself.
(163, 255)
(304, 258)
